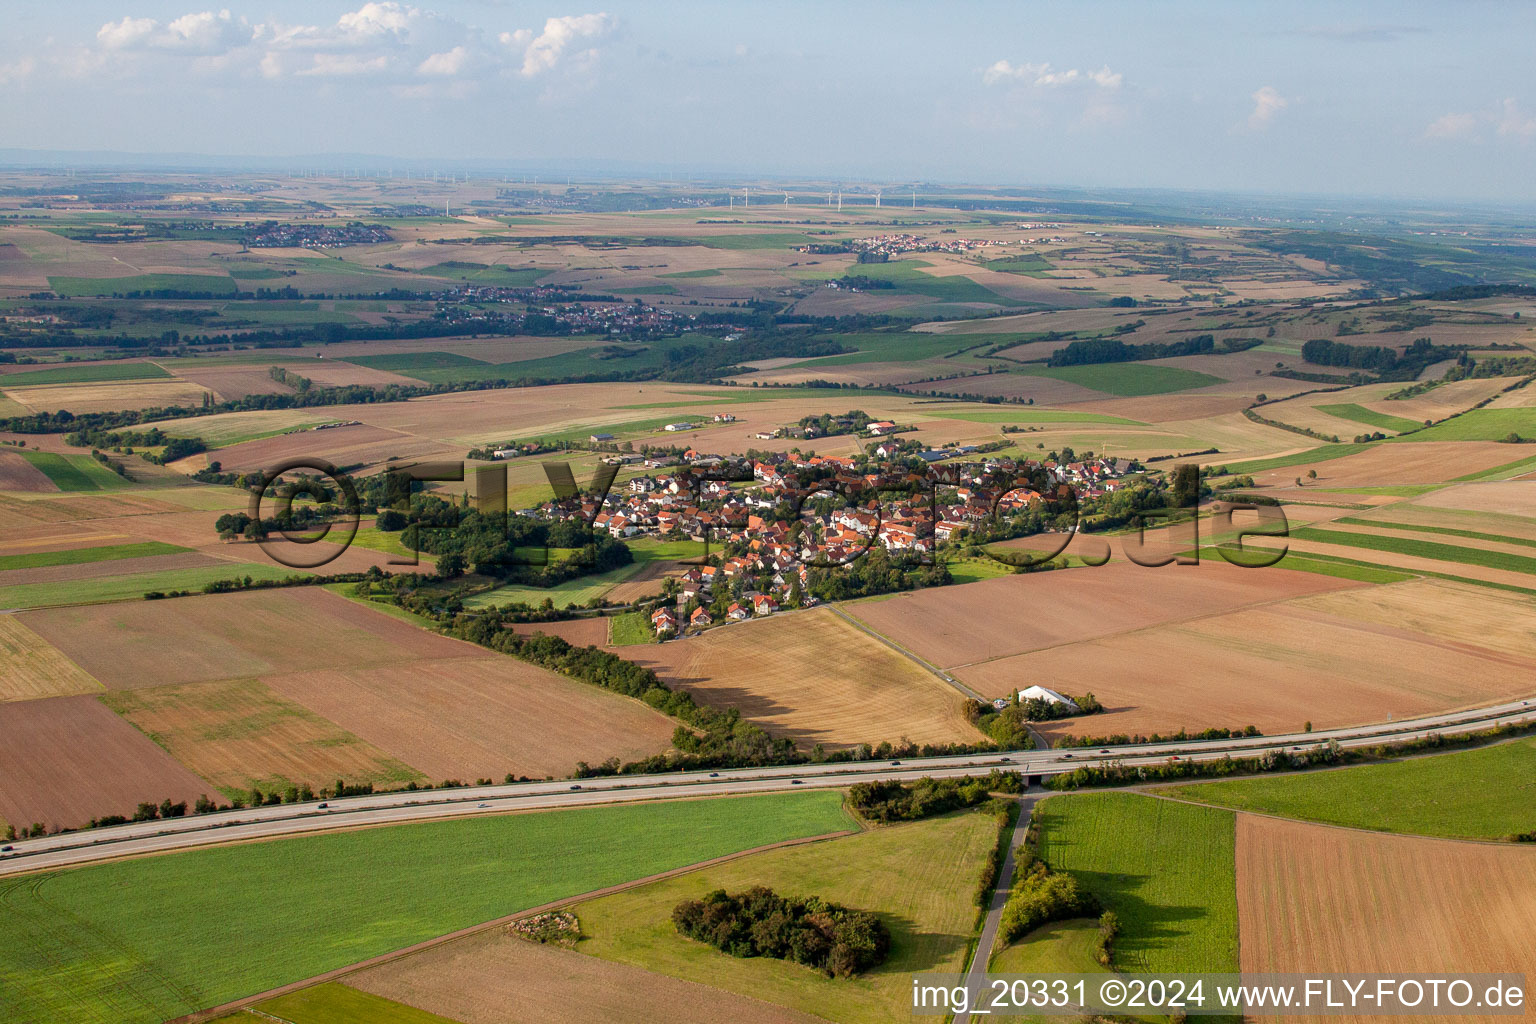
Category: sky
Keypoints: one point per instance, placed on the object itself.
(1434, 101)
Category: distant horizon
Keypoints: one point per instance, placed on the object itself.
(376, 166)
(1369, 99)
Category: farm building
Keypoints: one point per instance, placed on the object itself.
(1041, 693)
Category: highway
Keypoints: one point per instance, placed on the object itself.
(161, 836)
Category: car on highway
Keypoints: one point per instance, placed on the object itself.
(1103, 750)
(575, 787)
(483, 806)
(894, 763)
(714, 775)
(6, 849)
(1066, 757)
(324, 806)
(796, 782)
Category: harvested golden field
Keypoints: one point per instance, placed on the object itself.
(1011, 615)
(65, 760)
(113, 567)
(1275, 666)
(493, 978)
(1506, 497)
(815, 678)
(479, 715)
(1408, 462)
(232, 636)
(30, 667)
(337, 445)
(23, 540)
(17, 474)
(232, 382)
(1479, 620)
(238, 734)
(334, 374)
(128, 394)
(1315, 898)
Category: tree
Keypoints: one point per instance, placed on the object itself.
(1311, 474)
(451, 565)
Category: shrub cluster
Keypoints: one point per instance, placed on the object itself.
(1040, 896)
(807, 930)
(901, 801)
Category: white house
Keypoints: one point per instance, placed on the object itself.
(1041, 693)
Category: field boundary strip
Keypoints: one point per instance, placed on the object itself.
(247, 1002)
(893, 645)
(1147, 789)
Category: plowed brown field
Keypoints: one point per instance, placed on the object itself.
(1314, 898)
(815, 678)
(238, 734)
(494, 979)
(1016, 614)
(480, 716)
(66, 760)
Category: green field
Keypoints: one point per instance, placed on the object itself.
(1029, 266)
(79, 556)
(907, 277)
(1326, 453)
(158, 937)
(85, 373)
(335, 1003)
(495, 275)
(1445, 530)
(1345, 570)
(572, 593)
(750, 241)
(970, 570)
(77, 287)
(707, 272)
(1482, 425)
(1033, 416)
(885, 347)
(629, 629)
(918, 876)
(1420, 549)
(1389, 491)
(1484, 793)
(1360, 414)
(76, 472)
(1125, 379)
(1166, 869)
(407, 361)
(1509, 469)
(134, 586)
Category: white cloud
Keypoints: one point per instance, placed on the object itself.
(1506, 119)
(546, 49)
(343, 65)
(17, 71)
(1514, 121)
(1267, 102)
(406, 46)
(127, 33)
(201, 33)
(1452, 126)
(448, 63)
(1044, 76)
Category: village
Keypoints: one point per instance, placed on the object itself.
(776, 516)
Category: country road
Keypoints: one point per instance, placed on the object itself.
(135, 839)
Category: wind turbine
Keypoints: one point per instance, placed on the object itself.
(746, 197)
(786, 198)
(839, 200)
(829, 198)
(877, 199)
